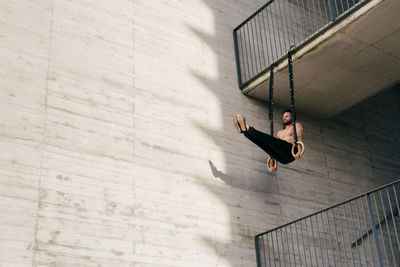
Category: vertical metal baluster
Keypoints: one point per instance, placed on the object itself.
(326, 14)
(315, 247)
(238, 57)
(337, 239)
(269, 254)
(337, 9)
(341, 3)
(273, 31)
(294, 253)
(256, 46)
(366, 227)
(291, 24)
(253, 48)
(310, 17)
(393, 219)
(296, 23)
(288, 248)
(306, 24)
(244, 53)
(301, 23)
(258, 43)
(320, 14)
(348, 233)
(315, 14)
(304, 247)
(319, 239)
(263, 35)
(284, 23)
(273, 249)
(387, 227)
(283, 30)
(308, 239)
(373, 227)
(354, 3)
(287, 25)
(354, 230)
(257, 18)
(283, 248)
(326, 246)
(270, 40)
(380, 229)
(311, 8)
(395, 196)
(269, 46)
(348, 5)
(253, 38)
(257, 251)
(265, 42)
(246, 67)
(298, 244)
(361, 233)
(264, 249)
(277, 245)
(241, 32)
(277, 30)
(343, 244)
(248, 53)
(332, 12)
(305, 21)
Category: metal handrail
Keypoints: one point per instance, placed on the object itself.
(380, 209)
(265, 37)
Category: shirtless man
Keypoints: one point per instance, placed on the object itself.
(278, 148)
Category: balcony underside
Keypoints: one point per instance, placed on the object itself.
(353, 60)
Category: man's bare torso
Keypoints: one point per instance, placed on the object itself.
(287, 134)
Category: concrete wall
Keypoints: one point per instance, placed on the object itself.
(118, 147)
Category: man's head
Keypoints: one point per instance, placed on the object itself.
(287, 117)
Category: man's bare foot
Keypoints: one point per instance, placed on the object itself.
(240, 123)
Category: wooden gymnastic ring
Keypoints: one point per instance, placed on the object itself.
(300, 149)
(272, 165)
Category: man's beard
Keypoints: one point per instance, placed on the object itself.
(287, 123)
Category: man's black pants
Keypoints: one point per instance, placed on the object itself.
(276, 148)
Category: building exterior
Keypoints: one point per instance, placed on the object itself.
(118, 147)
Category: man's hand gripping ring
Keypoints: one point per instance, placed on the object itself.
(298, 149)
(272, 165)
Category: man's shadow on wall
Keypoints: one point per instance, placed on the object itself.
(255, 184)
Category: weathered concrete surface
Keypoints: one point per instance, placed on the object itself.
(350, 62)
(118, 147)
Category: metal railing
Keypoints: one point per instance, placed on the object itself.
(362, 231)
(266, 36)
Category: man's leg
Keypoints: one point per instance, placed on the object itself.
(276, 148)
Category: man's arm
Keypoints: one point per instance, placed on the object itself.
(299, 130)
(278, 135)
